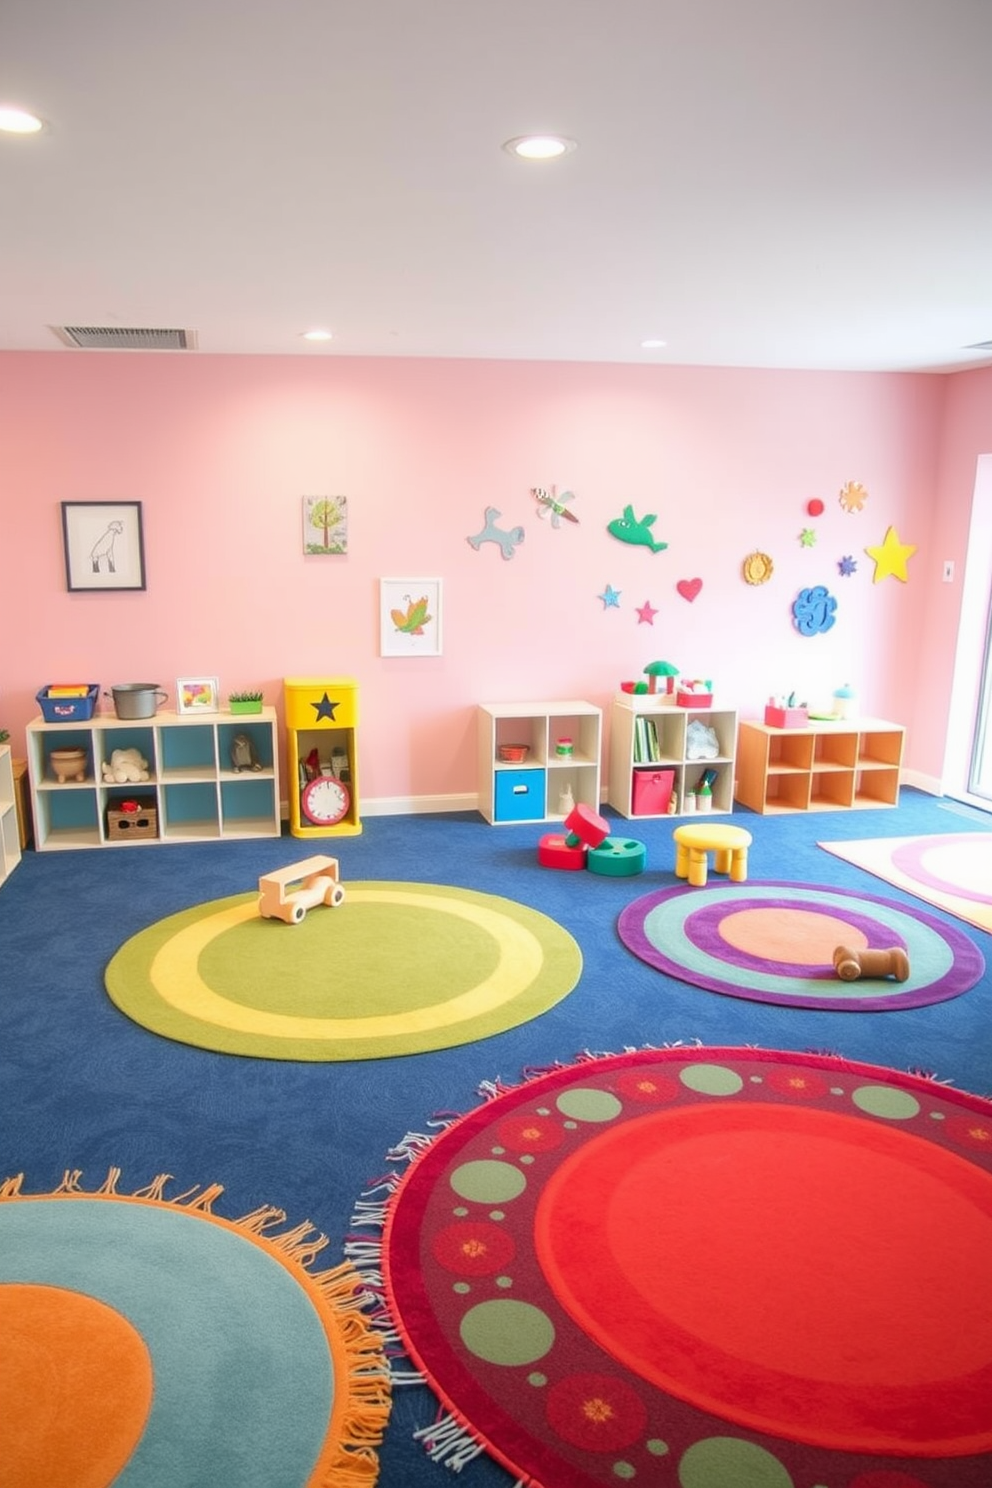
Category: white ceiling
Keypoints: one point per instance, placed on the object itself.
(776, 183)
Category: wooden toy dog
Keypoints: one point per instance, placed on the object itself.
(850, 965)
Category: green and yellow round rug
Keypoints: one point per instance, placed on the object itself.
(398, 968)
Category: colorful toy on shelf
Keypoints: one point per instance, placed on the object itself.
(125, 767)
(244, 755)
(845, 702)
(506, 539)
(635, 530)
(661, 676)
(694, 693)
(783, 711)
(850, 965)
(316, 882)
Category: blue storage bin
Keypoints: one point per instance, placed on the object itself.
(68, 709)
(520, 795)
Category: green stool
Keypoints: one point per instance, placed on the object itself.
(617, 857)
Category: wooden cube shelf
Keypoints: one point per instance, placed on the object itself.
(827, 766)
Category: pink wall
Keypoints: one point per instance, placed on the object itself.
(220, 451)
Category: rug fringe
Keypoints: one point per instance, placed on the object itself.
(353, 1462)
(447, 1440)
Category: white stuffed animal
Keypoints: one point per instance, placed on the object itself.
(124, 767)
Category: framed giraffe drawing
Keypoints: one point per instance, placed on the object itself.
(103, 544)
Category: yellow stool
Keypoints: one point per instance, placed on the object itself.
(729, 846)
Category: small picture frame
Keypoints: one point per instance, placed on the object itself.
(410, 617)
(103, 545)
(197, 695)
(325, 526)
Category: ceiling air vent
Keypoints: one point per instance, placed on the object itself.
(123, 338)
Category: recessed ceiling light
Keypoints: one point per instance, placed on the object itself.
(18, 121)
(540, 146)
(653, 345)
(317, 335)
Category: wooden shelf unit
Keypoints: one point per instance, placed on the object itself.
(826, 766)
(196, 793)
(10, 836)
(671, 725)
(530, 790)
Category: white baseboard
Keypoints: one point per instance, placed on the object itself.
(408, 805)
(418, 805)
(928, 783)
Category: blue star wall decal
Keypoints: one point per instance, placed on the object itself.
(325, 708)
(610, 598)
(847, 565)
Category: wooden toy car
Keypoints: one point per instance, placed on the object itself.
(288, 893)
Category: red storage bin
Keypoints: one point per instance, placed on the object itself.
(786, 717)
(652, 792)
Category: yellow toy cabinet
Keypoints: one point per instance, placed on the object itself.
(321, 725)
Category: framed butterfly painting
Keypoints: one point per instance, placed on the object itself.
(409, 617)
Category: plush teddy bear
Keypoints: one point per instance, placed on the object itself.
(124, 767)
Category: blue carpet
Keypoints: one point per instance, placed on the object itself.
(81, 1086)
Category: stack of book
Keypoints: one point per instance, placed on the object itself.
(647, 750)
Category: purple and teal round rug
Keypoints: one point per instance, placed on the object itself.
(774, 942)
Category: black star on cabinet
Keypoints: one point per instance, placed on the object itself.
(325, 708)
(321, 744)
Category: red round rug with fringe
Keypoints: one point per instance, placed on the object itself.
(707, 1268)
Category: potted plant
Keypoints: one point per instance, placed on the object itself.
(245, 702)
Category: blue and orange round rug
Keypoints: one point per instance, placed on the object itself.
(707, 1268)
(146, 1341)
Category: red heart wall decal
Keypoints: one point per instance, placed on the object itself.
(689, 588)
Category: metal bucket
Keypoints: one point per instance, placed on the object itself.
(137, 699)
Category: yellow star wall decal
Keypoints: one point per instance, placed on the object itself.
(891, 557)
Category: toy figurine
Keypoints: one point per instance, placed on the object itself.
(244, 755)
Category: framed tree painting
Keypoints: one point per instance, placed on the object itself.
(103, 545)
(325, 526)
(409, 617)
